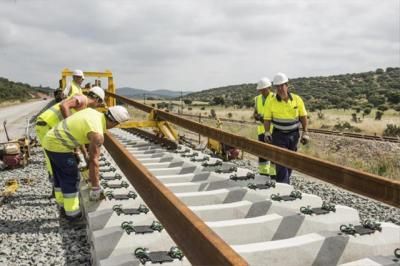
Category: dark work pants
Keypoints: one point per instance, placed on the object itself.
(288, 141)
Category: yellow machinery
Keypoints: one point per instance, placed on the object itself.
(109, 101)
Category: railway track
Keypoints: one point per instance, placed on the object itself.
(217, 215)
(161, 196)
(312, 130)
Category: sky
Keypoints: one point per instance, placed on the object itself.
(195, 45)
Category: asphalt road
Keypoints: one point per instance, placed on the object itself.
(17, 116)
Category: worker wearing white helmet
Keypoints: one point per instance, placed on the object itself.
(84, 127)
(75, 86)
(261, 101)
(285, 112)
(52, 116)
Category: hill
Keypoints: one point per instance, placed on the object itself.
(380, 88)
(156, 94)
(10, 90)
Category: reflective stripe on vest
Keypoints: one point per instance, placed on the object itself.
(286, 124)
(64, 142)
(57, 112)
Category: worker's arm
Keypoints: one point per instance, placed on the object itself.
(303, 121)
(74, 102)
(96, 141)
(267, 125)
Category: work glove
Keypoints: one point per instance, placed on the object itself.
(304, 138)
(268, 137)
(96, 193)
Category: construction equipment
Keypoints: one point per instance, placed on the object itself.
(109, 101)
(222, 150)
(14, 153)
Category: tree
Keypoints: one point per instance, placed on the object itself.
(376, 99)
(379, 71)
(383, 107)
(187, 101)
(366, 111)
(218, 100)
(378, 115)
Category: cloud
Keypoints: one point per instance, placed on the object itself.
(193, 45)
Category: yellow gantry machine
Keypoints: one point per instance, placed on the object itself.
(162, 128)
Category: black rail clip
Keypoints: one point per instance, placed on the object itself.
(109, 178)
(144, 255)
(123, 184)
(366, 228)
(130, 195)
(107, 169)
(248, 176)
(226, 170)
(130, 211)
(293, 196)
(202, 159)
(325, 209)
(269, 184)
(141, 229)
(216, 163)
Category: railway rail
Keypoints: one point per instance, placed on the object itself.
(312, 130)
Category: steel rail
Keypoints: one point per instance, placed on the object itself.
(312, 130)
(199, 243)
(370, 185)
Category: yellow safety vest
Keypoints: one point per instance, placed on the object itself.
(284, 116)
(53, 116)
(72, 131)
(75, 89)
(260, 109)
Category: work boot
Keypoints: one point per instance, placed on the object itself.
(61, 212)
(76, 220)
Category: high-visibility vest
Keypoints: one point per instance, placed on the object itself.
(284, 116)
(53, 116)
(73, 131)
(260, 109)
(72, 90)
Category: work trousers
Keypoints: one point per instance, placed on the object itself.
(288, 141)
(66, 181)
(41, 131)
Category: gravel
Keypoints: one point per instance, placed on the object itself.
(31, 231)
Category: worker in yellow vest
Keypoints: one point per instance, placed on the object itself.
(84, 127)
(75, 86)
(286, 111)
(265, 95)
(52, 116)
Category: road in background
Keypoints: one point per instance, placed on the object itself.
(16, 116)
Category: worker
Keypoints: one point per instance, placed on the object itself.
(75, 86)
(52, 116)
(83, 127)
(261, 101)
(286, 111)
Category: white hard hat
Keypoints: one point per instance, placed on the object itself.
(78, 72)
(263, 83)
(280, 79)
(119, 113)
(98, 91)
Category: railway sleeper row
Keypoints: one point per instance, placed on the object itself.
(262, 223)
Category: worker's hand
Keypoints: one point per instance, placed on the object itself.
(268, 137)
(304, 138)
(96, 193)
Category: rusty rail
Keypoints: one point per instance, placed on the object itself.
(312, 130)
(198, 242)
(370, 185)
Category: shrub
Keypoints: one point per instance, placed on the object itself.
(346, 126)
(392, 130)
(378, 115)
(229, 115)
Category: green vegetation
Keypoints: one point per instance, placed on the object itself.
(10, 90)
(360, 91)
